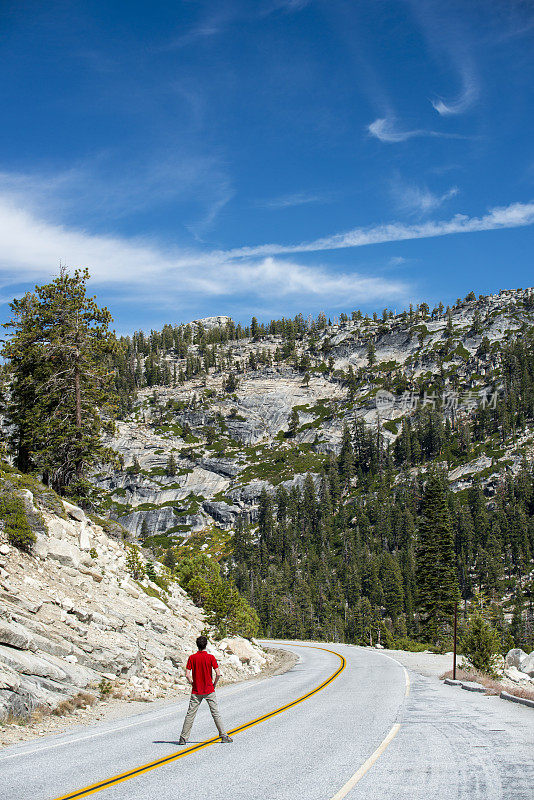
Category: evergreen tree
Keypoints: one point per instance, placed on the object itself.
(480, 643)
(171, 467)
(437, 583)
(61, 382)
(293, 423)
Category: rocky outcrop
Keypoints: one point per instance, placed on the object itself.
(223, 442)
(519, 666)
(72, 616)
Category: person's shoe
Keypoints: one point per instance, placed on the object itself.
(182, 740)
(226, 739)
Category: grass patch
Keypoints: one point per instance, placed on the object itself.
(493, 685)
(391, 426)
(276, 466)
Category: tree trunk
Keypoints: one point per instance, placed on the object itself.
(78, 401)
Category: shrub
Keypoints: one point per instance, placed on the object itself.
(481, 644)
(226, 610)
(16, 525)
(105, 687)
(134, 564)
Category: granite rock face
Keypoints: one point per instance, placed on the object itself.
(230, 445)
(71, 616)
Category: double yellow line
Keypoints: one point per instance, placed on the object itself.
(125, 776)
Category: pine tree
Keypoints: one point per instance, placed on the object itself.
(144, 532)
(346, 456)
(61, 381)
(480, 643)
(171, 467)
(293, 423)
(437, 583)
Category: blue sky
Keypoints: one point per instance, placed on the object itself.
(266, 157)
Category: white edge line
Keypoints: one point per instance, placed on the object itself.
(365, 767)
(351, 783)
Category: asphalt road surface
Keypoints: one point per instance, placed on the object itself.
(372, 731)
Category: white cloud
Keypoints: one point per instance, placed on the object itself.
(288, 6)
(465, 99)
(146, 272)
(451, 42)
(385, 130)
(514, 215)
(143, 271)
(296, 199)
(419, 199)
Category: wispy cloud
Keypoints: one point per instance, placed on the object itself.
(296, 199)
(171, 276)
(386, 131)
(452, 43)
(419, 199)
(33, 247)
(205, 29)
(98, 191)
(515, 215)
(289, 6)
(468, 95)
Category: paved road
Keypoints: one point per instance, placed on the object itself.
(448, 743)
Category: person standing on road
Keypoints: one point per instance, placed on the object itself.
(198, 672)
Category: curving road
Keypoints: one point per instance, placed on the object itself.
(368, 732)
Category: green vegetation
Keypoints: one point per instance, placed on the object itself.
(281, 465)
(58, 367)
(382, 558)
(16, 525)
(480, 644)
(226, 610)
(134, 563)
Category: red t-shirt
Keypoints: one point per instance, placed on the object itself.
(200, 664)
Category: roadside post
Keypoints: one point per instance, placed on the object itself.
(454, 646)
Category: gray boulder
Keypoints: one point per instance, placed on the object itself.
(515, 657)
(60, 550)
(15, 635)
(527, 665)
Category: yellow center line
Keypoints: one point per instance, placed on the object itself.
(125, 776)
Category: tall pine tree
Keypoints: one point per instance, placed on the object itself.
(437, 582)
(61, 380)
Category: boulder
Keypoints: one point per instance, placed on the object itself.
(30, 664)
(130, 588)
(9, 679)
(85, 539)
(75, 512)
(40, 547)
(64, 552)
(156, 603)
(27, 498)
(527, 665)
(515, 675)
(15, 635)
(243, 649)
(515, 657)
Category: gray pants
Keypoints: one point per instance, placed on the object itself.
(194, 704)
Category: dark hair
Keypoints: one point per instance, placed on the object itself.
(202, 642)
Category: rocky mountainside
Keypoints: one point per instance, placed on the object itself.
(269, 406)
(73, 619)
